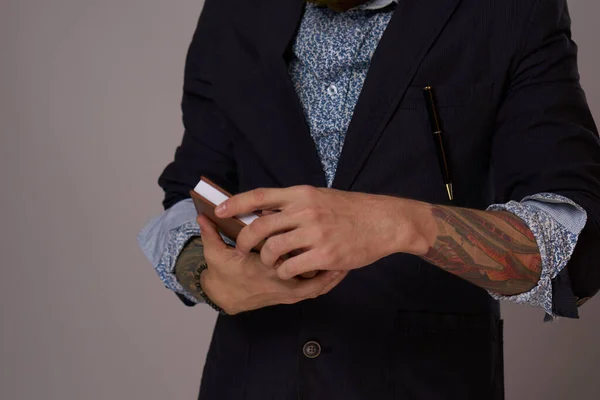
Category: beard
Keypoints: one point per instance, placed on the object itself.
(339, 5)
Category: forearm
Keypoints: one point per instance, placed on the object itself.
(187, 267)
(492, 249)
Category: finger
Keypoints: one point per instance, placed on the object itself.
(260, 229)
(310, 288)
(279, 245)
(211, 238)
(263, 228)
(308, 261)
(258, 199)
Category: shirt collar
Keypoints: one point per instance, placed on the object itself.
(376, 4)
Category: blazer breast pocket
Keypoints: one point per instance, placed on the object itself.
(451, 106)
(462, 109)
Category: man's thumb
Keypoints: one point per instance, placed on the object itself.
(208, 232)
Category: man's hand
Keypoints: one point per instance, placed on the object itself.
(332, 229)
(337, 230)
(238, 281)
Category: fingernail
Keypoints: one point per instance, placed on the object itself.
(220, 210)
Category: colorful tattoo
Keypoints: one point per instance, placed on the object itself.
(494, 250)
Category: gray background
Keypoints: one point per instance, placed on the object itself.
(89, 116)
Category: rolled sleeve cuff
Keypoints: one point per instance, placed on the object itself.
(163, 238)
(166, 267)
(556, 223)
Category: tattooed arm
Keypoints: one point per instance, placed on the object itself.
(187, 267)
(514, 250)
(492, 249)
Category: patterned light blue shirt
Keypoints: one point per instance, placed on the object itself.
(331, 57)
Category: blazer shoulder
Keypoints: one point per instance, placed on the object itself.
(516, 21)
(522, 10)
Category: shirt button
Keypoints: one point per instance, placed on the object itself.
(311, 349)
(332, 90)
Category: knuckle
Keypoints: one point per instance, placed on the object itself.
(273, 244)
(306, 191)
(258, 195)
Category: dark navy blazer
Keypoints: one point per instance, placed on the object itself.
(516, 123)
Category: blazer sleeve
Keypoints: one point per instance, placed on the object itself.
(545, 138)
(206, 147)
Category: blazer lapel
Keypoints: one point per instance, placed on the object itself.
(412, 30)
(267, 109)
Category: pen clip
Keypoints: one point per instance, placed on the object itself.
(434, 118)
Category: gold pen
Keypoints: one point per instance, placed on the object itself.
(436, 128)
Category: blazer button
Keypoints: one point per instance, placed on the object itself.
(312, 349)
